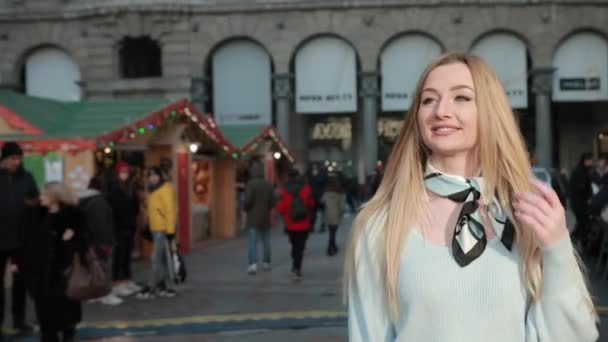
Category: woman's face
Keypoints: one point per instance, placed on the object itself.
(154, 178)
(123, 175)
(447, 116)
(46, 200)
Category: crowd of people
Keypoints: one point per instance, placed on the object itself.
(43, 232)
(589, 202)
(304, 202)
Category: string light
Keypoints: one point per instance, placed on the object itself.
(132, 135)
(107, 150)
(142, 130)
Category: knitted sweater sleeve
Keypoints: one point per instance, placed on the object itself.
(368, 318)
(564, 312)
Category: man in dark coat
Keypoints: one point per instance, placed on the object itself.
(580, 195)
(18, 210)
(258, 203)
(317, 178)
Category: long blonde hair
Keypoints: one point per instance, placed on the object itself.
(400, 199)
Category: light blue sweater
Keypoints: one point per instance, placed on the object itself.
(485, 301)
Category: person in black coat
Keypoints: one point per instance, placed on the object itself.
(18, 203)
(124, 197)
(580, 195)
(49, 252)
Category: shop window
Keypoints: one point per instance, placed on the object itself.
(139, 57)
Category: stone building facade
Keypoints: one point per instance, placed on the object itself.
(189, 32)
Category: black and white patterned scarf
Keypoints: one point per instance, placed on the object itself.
(469, 240)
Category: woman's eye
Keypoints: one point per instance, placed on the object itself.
(462, 98)
(427, 100)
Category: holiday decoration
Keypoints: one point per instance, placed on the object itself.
(268, 133)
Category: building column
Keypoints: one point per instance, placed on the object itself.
(369, 92)
(283, 95)
(199, 93)
(542, 85)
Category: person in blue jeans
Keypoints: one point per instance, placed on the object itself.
(258, 204)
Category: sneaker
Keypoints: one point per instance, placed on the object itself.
(296, 275)
(146, 294)
(123, 290)
(111, 300)
(167, 293)
(253, 269)
(265, 266)
(134, 287)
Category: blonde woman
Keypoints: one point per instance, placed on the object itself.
(45, 255)
(459, 244)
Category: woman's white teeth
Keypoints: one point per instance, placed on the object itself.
(445, 129)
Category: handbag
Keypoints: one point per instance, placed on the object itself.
(87, 280)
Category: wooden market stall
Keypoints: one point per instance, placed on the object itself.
(257, 144)
(70, 141)
(204, 165)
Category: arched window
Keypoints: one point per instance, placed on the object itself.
(50, 72)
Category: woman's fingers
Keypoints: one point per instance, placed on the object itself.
(536, 201)
(547, 192)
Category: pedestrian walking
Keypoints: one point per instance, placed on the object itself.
(580, 197)
(161, 223)
(459, 243)
(61, 236)
(124, 196)
(259, 202)
(296, 206)
(333, 201)
(599, 176)
(317, 178)
(18, 204)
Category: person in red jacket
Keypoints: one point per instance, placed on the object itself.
(295, 206)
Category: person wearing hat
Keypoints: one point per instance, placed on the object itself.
(18, 212)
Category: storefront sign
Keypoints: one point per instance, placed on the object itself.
(581, 69)
(389, 128)
(592, 83)
(506, 54)
(332, 130)
(242, 84)
(326, 79)
(402, 63)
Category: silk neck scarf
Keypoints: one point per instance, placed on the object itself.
(469, 240)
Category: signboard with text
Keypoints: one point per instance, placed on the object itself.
(242, 85)
(326, 77)
(402, 63)
(507, 55)
(581, 69)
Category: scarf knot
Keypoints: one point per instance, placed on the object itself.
(469, 240)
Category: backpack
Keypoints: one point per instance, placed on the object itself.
(297, 211)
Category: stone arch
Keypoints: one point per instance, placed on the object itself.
(401, 61)
(245, 67)
(53, 73)
(504, 31)
(27, 39)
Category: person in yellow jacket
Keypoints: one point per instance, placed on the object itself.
(161, 221)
